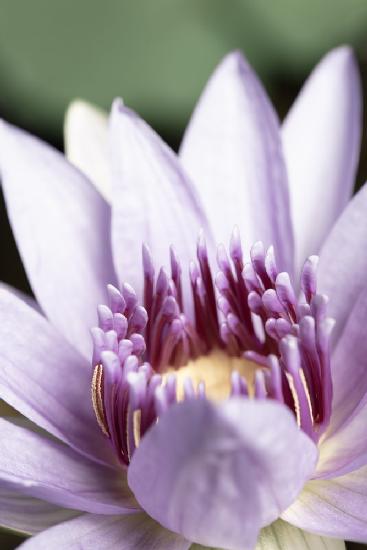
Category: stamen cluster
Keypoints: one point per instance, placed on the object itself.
(250, 310)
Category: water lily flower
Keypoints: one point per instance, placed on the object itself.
(214, 406)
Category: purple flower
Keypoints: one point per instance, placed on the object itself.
(219, 399)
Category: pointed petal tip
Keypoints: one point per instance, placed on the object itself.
(340, 59)
(121, 112)
(233, 136)
(5, 129)
(118, 106)
(8, 141)
(81, 107)
(77, 103)
(329, 103)
(344, 52)
(233, 62)
(28, 167)
(234, 56)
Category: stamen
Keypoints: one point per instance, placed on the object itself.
(148, 279)
(260, 388)
(275, 379)
(292, 361)
(117, 302)
(250, 337)
(308, 277)
(238, 385)
(105, 318)
(97, 398)
(202, 255)
(286, 294)
(257, 253)
(270, 264)
(176, 274)
(130, 299)
(272, 303)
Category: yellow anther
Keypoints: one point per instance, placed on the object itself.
(97, 398)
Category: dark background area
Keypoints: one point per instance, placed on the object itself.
(157, 56)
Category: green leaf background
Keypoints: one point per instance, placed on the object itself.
(157, 54)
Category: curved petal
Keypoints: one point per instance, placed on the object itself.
(61, 225)
(153, 200)
(343, 263)
(283, 536)
(232, 149)
(335, 508)
(45, 379)
(5, 408)
(133, 532)
(344, 445)
(349, 365)
(85, 135)
(22, 296)
(321, 139)
(30, 515)
(216, 474)
(40, 467)
(345, 449)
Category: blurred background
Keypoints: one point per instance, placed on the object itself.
(157, 55)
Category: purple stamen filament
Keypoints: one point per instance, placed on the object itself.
(248, 311)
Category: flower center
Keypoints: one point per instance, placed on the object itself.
(212, 374)
(248, 335)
